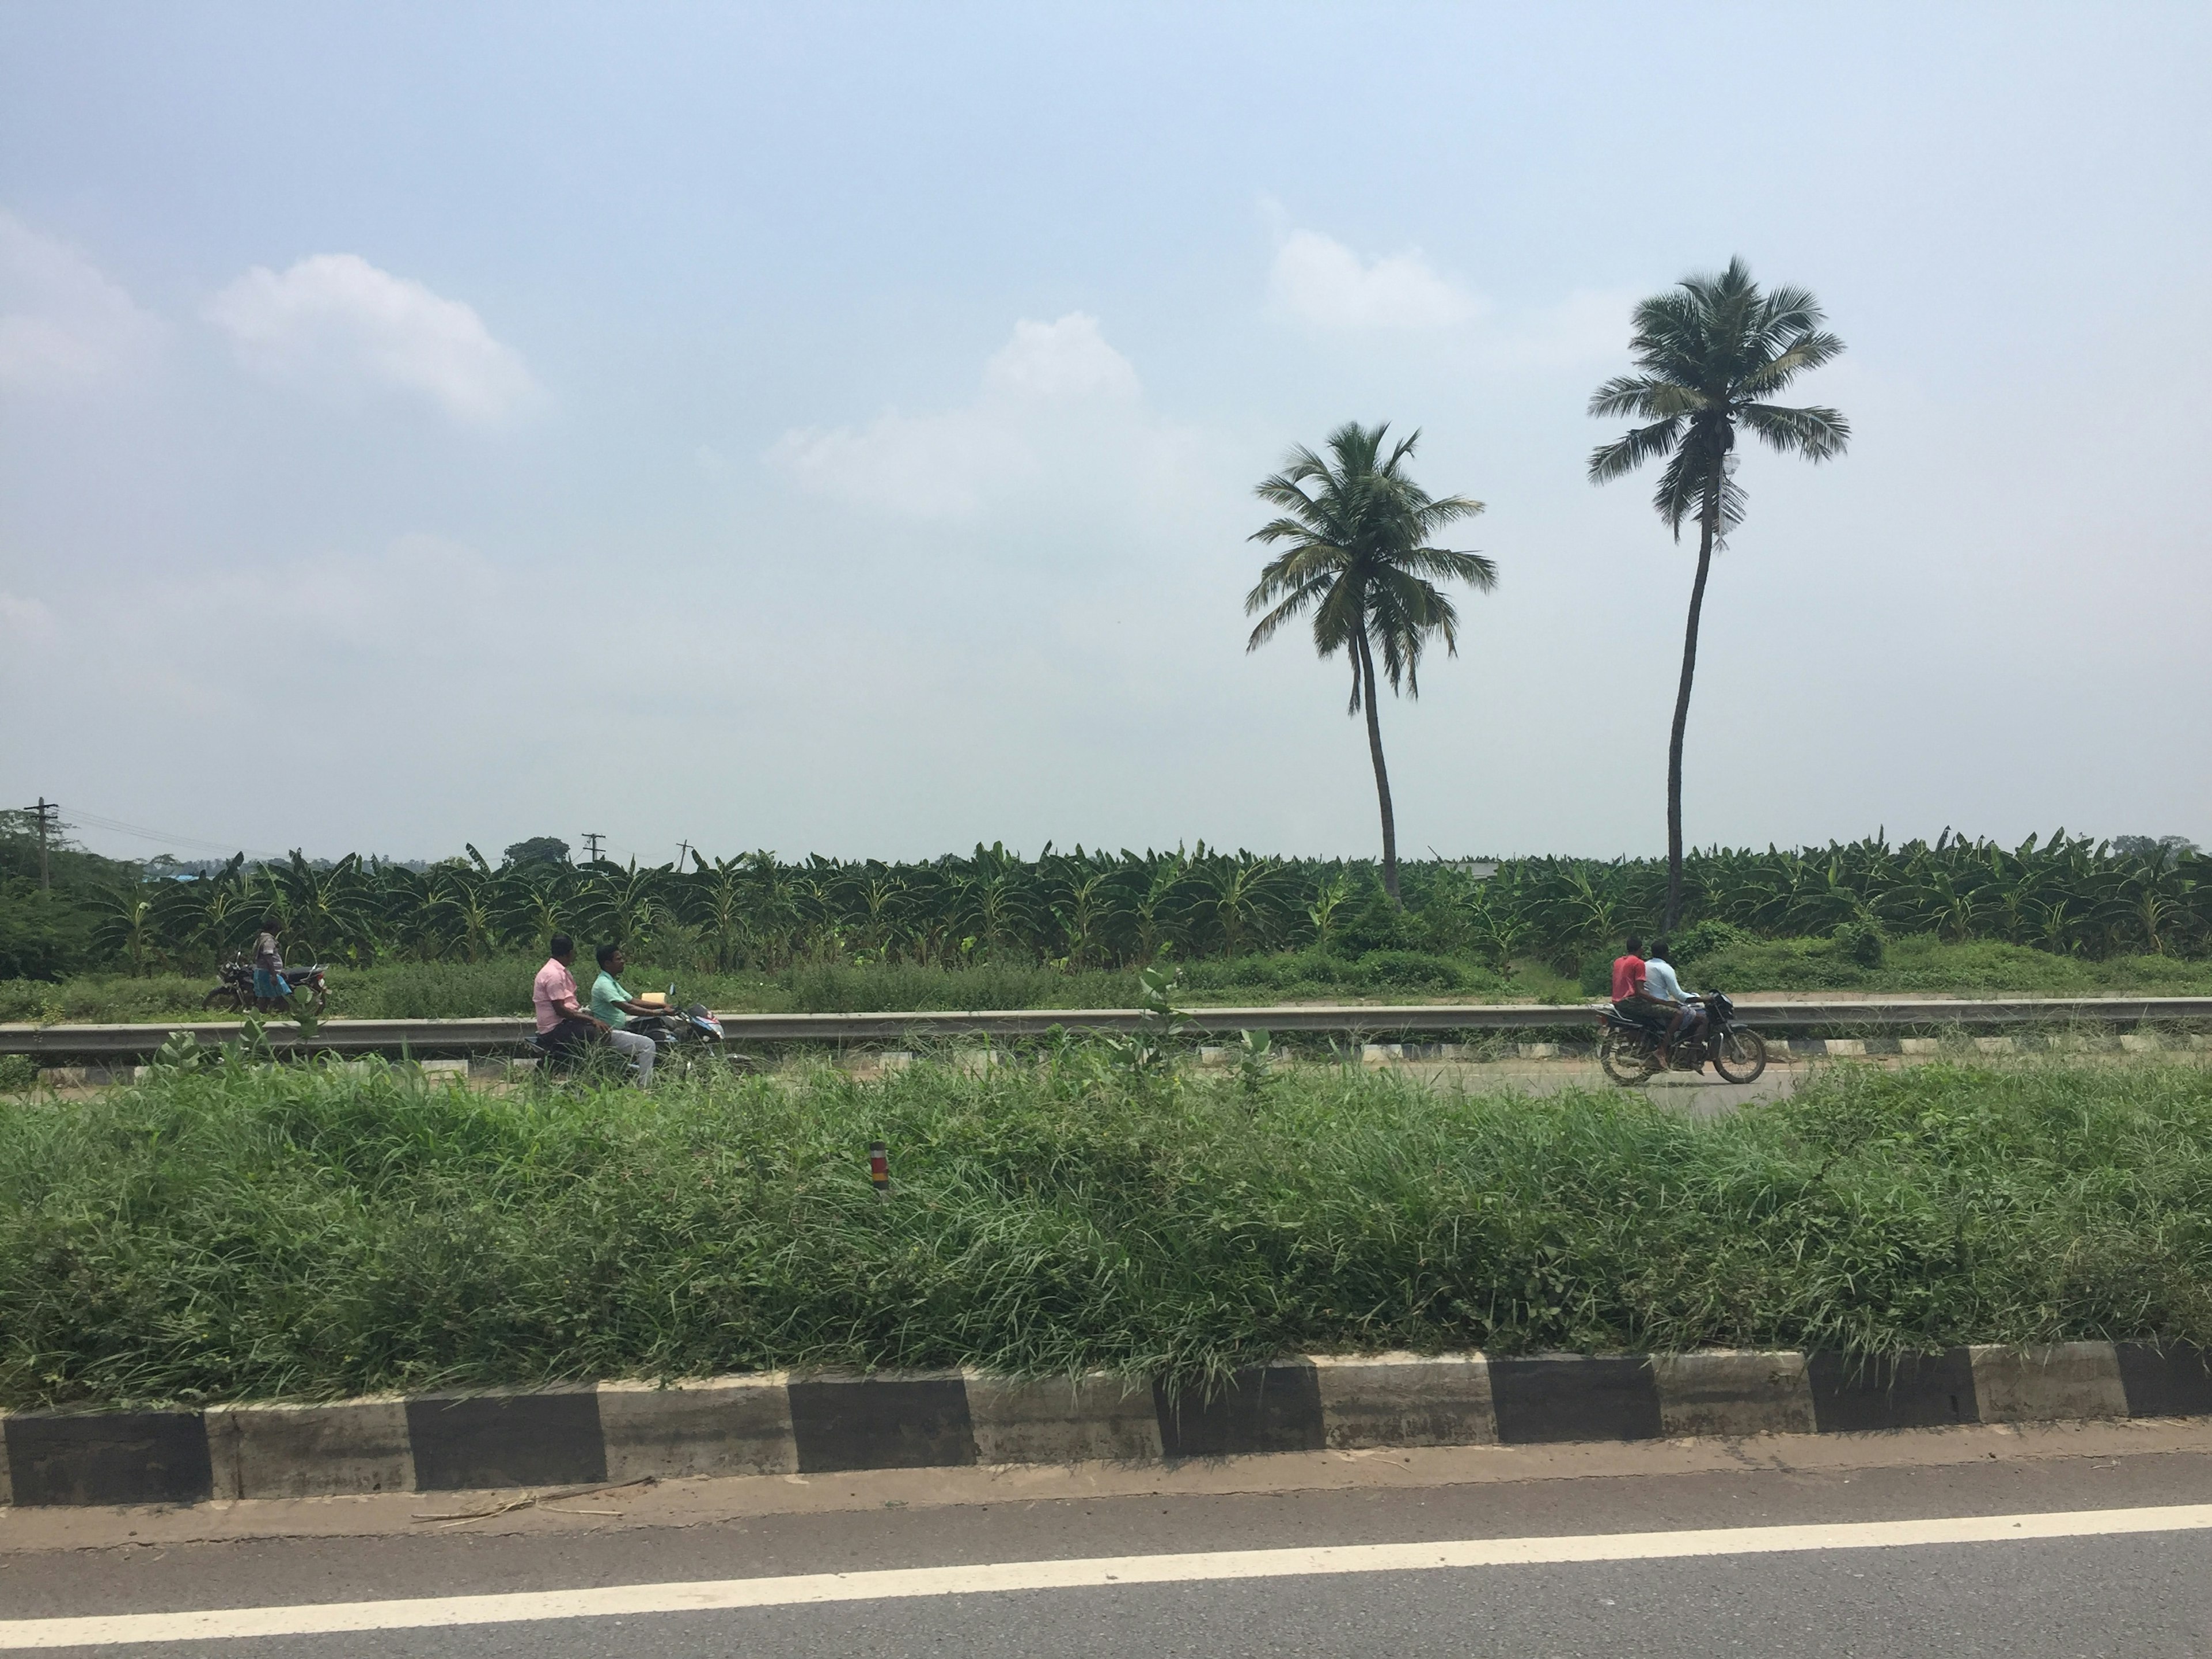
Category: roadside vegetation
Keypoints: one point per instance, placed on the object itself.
(241, 1232)
(463, 990)
(2061, 916)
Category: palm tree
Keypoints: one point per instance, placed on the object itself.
(1711, 352)
(1360, 558)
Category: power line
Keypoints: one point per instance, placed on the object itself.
(49, 814)
(79, 818)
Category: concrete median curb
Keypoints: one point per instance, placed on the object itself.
(821, 1423)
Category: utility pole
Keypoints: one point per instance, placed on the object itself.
(49, 815)
(591, 840)
(682, 852)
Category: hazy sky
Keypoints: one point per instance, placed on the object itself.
(834, 428)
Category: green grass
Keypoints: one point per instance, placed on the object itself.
(1923, 963)
(459, 990)
(302, 1233)
(463, 990)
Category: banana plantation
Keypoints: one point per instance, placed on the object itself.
(1082, 910)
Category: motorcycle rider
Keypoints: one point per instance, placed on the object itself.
(615, 1008)
(560, 1023)
(1632, 999)
(1688, 1016)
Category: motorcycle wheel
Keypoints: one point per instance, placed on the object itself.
(225, 996)
(1624, 1062)
(1741, 1057)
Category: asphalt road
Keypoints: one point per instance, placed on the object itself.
(2144, 1594)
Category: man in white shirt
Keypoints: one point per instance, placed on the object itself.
(1659, 981)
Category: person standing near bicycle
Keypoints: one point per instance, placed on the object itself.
(270, 984)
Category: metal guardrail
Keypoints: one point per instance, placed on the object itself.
(426, 1038)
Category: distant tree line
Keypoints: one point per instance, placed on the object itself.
(1085, 909)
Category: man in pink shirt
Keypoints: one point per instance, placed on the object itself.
(563, 1022)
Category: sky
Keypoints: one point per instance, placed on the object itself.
(834, 428)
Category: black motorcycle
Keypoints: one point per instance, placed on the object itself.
(1629, 1049)
(235, 992)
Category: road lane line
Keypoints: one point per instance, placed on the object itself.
(998, 1578)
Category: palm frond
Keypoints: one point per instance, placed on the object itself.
(1441, 563)
(1817, 434)
(1634, 447)
(1289, 609)
(1648, 397)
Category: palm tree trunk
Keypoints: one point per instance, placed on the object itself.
(1382, 772)
(1705, 527)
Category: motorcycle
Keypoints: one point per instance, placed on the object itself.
(235, 992)
(1629, 1049)
(680, 1029)
(679, 1035)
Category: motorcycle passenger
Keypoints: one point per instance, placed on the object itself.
(1688, 1016)
(1632, 1000)
(269, 982)
(561, 1024)
(616, 1008)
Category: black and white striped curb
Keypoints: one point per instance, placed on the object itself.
(809, 1424)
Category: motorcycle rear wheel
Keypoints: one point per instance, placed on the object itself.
(225, 996)
(1740, 1056)
(1624, 1063)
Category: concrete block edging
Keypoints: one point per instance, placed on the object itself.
(797, 1424)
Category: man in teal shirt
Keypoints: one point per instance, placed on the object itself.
(611, 1003)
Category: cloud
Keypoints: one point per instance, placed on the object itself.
(1318, 279)
(1053, 360)
(373, 603)
(63, 322)
(1048, 380)
(336, 324)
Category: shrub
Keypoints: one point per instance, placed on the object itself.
(1702, 938)
(1407, 970)
(1860, 941)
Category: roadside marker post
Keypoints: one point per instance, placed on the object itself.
(879, 1168)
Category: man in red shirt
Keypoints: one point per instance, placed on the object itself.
(1631, 1001)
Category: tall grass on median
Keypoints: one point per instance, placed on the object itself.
(311, 1233)
(458, 990)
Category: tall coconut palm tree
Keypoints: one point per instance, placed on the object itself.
(1711, 352)
(1360, 556)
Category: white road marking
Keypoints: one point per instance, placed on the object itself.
(998, 1578)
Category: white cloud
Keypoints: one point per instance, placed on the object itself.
(1590, 326)
(1049, 377)
(336, 323)
(1066, 359)
(63, 322)
(930, 467)
(1318, 279)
